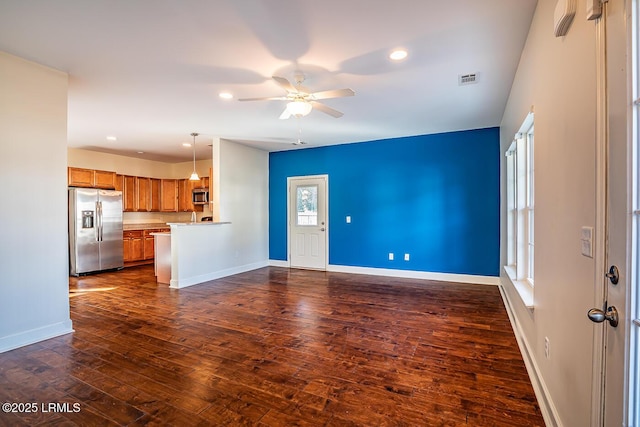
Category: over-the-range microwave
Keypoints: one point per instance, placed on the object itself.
(200, 196)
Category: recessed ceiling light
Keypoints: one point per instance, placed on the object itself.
(398, 54)
(140, 152)
(186, 144)
(225, 95)
(111, 138)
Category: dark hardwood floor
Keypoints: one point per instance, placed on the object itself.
(274, 347)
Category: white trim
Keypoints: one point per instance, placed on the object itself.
(279, 263)
(524, 287)
(413, 274)
(547, 407)
(195, 280)
(600, 229)
(32, 336)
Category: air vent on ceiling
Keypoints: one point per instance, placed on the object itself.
(467, 79)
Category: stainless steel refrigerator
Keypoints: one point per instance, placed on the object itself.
(95, 230)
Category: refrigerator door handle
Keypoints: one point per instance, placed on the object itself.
(99, 220)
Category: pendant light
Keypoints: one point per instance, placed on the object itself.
(194, 176)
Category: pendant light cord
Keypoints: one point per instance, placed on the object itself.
(194, 175)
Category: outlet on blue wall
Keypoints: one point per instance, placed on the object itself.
(435, 197)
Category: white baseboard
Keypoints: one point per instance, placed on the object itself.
(547, 408)
(278, 263)
(408, 274)
(195, 280)
(413, 274)
(32, 336)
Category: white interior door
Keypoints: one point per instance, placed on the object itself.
(308, 222)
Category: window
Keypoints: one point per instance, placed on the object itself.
(520, 205)
(307, 205)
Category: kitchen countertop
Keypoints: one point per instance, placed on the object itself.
(145, 226)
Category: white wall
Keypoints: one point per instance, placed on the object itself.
(244, 199)
(34, 302)
(557, 77)
(205, 252)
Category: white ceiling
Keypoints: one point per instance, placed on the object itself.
(150, 71)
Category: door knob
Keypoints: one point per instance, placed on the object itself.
(598, 316)
(322, 229)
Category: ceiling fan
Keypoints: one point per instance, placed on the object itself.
(301, 100)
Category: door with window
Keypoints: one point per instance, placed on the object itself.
(308, 222)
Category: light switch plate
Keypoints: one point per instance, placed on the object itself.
(348, 219)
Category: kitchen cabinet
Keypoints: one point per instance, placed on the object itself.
(185, 190)
(169, 195)
(149, 251)
(129, 193)
(119, 183)
(143, 194)
(91, 178)
(184, 196)
(155, 194)
(133, 245)
(143, 187)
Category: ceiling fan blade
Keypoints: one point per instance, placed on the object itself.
(336, 93)
(272, 98)
(327, 110)
(285, 114)
(286, 85)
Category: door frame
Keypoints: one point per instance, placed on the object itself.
(290, 179)
(600, 229)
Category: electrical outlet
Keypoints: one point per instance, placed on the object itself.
(390, 256)
(547, 350)
(406, 257)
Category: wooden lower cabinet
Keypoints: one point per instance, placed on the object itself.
(139, 246)
(133, 246)
(149, 252)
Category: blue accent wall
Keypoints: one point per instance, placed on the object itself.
(436, 197)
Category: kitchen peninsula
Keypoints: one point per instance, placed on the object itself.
(194, 252)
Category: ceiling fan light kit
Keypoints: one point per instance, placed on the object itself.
(301, 101)
(299, 108)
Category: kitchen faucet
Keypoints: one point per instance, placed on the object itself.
(193, 216)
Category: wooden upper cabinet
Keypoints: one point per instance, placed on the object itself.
(169, 195)
(155, 194)
(119, 183)
(184, 195)
(80, 177)
(104, 179)
(129, 193)
(144, 194)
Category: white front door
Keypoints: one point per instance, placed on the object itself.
(308, 222)
(612, 336)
